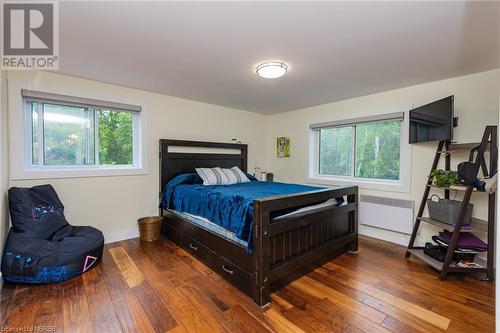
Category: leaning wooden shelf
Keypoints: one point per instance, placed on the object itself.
(462, 147)
(455, 187)
(445, 149)
(476, 225)
(419, 253)
(467, 146)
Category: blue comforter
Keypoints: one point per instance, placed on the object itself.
(230, 206)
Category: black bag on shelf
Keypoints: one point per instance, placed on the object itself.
(466, 171)
(434, 251)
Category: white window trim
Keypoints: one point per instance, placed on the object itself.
(21, 167)
(401, 185)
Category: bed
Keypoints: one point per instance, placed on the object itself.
(290, 228)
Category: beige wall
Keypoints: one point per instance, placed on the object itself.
(476, 104)
(4, 180)
(113, 204)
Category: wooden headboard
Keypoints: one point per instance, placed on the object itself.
(174, 161)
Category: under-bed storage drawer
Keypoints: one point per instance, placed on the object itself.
(198, 250)
(229, 271)
(234, 274)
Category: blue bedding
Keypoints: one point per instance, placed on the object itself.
(230, 206)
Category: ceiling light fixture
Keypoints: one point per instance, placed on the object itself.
(271, 70)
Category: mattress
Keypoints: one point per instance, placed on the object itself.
(228, 206)
(210, 226)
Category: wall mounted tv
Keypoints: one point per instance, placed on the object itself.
(432, 122)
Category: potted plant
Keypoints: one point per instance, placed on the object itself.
(442, 178)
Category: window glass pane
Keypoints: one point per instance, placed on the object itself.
(335, 153)
(68, 135)
(35, 111)
(377, 150)
(116, 144)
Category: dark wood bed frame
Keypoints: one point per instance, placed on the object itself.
(284, 249)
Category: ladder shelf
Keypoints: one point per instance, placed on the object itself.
(453, 188)
(445, 149)
(438, 265)
(476, 225)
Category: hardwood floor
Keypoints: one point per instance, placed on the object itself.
(158, 287)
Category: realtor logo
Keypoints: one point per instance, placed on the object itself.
(30, 35)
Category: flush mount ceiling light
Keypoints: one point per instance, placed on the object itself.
(271, 70)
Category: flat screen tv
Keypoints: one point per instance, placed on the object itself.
(432, 122)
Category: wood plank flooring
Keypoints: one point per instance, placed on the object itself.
(158, 287)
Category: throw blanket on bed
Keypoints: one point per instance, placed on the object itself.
(230, 206)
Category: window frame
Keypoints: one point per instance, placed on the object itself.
(401, 185)
(25, 169)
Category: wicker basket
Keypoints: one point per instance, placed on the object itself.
(149, 228)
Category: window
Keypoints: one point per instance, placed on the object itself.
(364, 151)
(369, 150)
(335, 154)
(377, 150)
(69, 133)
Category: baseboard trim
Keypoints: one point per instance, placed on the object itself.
(121, 235)
(383, 234)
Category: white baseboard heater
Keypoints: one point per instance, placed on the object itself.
(386, 213)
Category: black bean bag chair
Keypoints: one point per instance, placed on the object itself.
(42, 247)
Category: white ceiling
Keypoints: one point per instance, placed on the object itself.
(207, 51)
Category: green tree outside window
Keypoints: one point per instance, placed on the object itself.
(75, 136)
(374, 152)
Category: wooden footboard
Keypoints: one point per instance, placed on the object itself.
(286, 248)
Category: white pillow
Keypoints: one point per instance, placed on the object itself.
(235, 175)
(213, 176)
